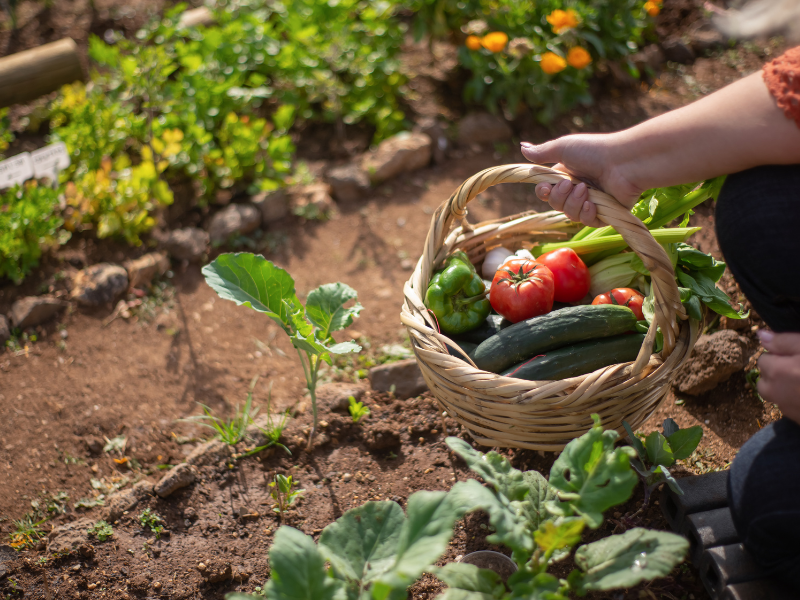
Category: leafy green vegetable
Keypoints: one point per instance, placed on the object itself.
(468, 582)
(253, 281)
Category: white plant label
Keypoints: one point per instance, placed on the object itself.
(15, 170)
(48, 161)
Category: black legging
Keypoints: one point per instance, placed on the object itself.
(758, 228)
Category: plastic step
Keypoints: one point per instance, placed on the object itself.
(709, 529)
(726, 565)
(701, 493)
(760, 589)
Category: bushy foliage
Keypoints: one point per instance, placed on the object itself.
(6, 136)
(538, 56)
(28, 221)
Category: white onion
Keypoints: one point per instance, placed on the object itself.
(494, 258)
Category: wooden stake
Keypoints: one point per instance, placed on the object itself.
(26, 75)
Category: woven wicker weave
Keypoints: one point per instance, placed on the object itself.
(541, 415)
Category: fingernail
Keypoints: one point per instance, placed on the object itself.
(585, 207)
(545, 191)
(564, 185)
(526, 145)
(765, 336)
(580, 188)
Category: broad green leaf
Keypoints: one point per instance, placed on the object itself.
(532, 507)
(511, 525)
(343, 348)
(527, 586)
(298, 569)
(623, 561)
(364, 541)
(468, 582)
(635, 441)
(658, 450)
(684, 441)
(648, 307)
(552, 536)
(591, 475)
(713, 297)
(694, 260)
(670, 427)
(325, 308)
(492, 467)
(671, 482)
(253, 281)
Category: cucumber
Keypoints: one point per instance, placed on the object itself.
(467, 347)
(579, 359)
(492, 325)
(556, 329)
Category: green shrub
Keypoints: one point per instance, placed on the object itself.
(29, 221)
(6, 136)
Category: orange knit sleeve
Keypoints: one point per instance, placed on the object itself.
(782, 77)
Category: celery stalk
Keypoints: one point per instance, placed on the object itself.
(615, 242)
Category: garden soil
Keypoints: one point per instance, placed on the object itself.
(93, 376)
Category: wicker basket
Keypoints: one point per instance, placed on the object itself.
(541, 415)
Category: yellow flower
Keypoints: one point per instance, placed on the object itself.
(561, 20)
(552, 63)
(652, 8)
(473, 42)
(578, 57)
(495, 41)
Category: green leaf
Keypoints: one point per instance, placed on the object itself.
(637, 265)
(532, 507)
(251, 280)
(553, 536)
(648, 307)
(670, 427)
(667, 476)
(527, 586)
(658, 450)
(694, 260)
(684, 441)
(591, 475)
(713, 297)
(493, 468)
(298, 569)
(635, 441)
(468, 582)
(623, 561)
(325, 308)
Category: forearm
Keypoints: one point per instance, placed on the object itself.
(736, 128)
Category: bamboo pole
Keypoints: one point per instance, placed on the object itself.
(26, 75)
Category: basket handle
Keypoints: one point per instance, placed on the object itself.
(667, 297)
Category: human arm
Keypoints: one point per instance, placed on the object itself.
(735, 128)
(780, 372)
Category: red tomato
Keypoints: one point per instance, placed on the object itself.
(521, 289)
(624, 296)
(570, 275)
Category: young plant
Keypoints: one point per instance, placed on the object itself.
(233, 430)
(26, 532)
(283, 494)
(271, 428)
(102, 530)
(151, 520)
(658, 452)
(357, 409)
(375, 551)
(253, 281)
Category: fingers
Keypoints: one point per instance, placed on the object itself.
(782, 344)
(572, 200)
(549, 152)
(780, 382)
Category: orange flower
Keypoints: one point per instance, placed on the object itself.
(473, 42)
(652, 8)
(578, 57)
(561, 20)
(552, 63)
(495, 41)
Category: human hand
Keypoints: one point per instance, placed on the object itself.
(595, 158)
(780, 371)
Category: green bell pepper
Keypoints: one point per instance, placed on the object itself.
(456, 296)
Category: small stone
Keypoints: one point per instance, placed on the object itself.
(70, 537)
(402, 153)
(7, 555)
(34, 310)
(201, 567)
(675, 50)
(176, 478)
(313, 200)
(236, 219)
(189, 243)
(347, 477)
(714, 359)
(273, 205)
(99, 284)
(142, 270)
(91, 586)
(336, 396)
(407, 264)
(5, 331)
(156, 585)
(189, 513)
(94, 445)
(404, 377)
(482, 128)
(348, 183)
